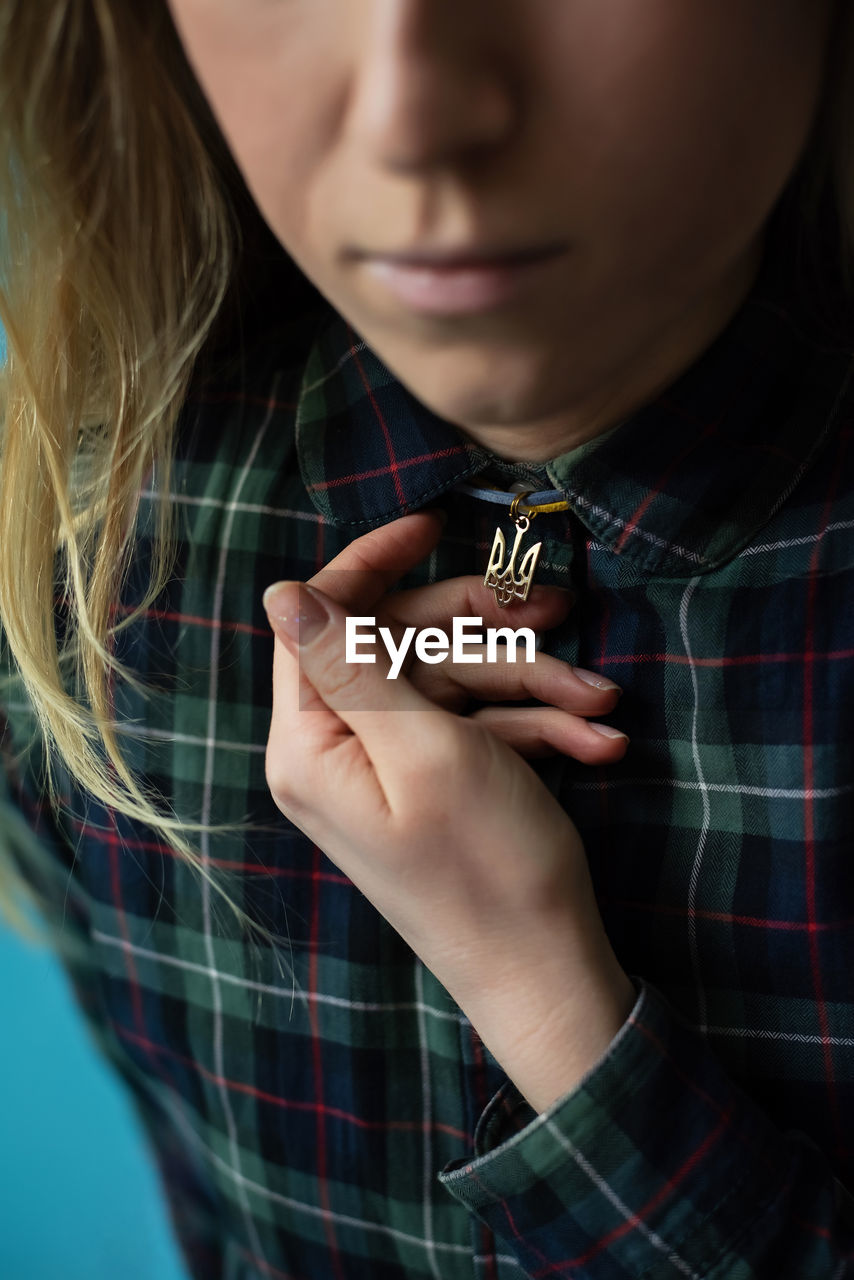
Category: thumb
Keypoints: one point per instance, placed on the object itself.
(334, 668)
(360, 575)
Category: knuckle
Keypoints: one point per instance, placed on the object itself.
(276, 777)
(282, 778)
(342, 683)
(439, 753)
(464, 753)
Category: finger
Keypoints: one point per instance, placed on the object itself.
(340, 695)
(360, 575)
(547, 679)
(307, 745)
(439, 603)
(540, 731)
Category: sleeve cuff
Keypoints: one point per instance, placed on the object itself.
(655, 1164)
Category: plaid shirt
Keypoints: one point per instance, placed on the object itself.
(323, 1110)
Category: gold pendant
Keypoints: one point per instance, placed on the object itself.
(506, 581)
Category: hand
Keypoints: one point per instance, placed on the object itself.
(451, 836)
(359, 579)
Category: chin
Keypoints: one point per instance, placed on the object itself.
(479, 388)
(475, 404)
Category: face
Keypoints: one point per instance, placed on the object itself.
(631, 149)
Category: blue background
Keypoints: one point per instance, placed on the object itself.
(79, 1195)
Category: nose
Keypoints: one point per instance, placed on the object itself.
(433, 85)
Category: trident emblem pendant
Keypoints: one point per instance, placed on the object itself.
(508, 582)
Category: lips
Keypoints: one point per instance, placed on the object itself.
(458, 282)
(473, 258)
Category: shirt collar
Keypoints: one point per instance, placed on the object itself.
(368, 450)
(679, 488)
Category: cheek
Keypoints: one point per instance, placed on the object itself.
(680, 126)
(278, 153)
(271, 84)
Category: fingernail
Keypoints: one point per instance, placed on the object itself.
(598, 682)
(295, 611)
(607, 730)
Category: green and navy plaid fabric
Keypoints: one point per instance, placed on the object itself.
(321, 1109)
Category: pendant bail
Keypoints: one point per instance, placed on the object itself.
(514, 506)
(504, 580)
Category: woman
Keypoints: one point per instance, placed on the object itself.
(592, 256)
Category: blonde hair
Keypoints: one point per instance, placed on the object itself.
(112, 162)
(108, 166)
